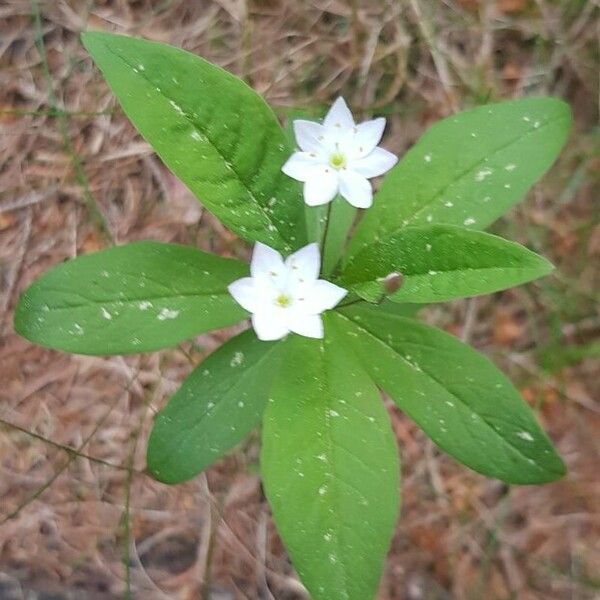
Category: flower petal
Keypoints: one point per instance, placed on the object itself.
(374, 164)
(306, 325)
(310, 136)
(300, 165)
(356, 189)
(323, 296)
(321, 187)
(266, 261)
(339, 116)
(270, 325)
(305, 264)
(245, 293)
(364, 138)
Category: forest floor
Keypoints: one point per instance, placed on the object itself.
(78, 517)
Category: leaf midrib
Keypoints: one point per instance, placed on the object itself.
(189, 430)
(435, 380)
(123, 302)
(444, 272)
(195, 126)
(483, 161)
(331, 447)
(410, 219)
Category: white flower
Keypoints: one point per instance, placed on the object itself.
(286, 296)
(338, 157)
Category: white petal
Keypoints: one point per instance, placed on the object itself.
(266, 261)
(305, 263)
(321, 187)
(306, 325)
(356, 189)
(300, 165)
(310, 136)
(339, 116)
(364, 138)
(374, 164)
(270, 325)
(246, 294)
(323, 296)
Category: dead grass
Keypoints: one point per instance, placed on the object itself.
(80, 519)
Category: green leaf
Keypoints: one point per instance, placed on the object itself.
(387, 306)
(129, 299)
(396, 308)
(330, 469)
(316, 218)
(469, 169)
(440, 262)
(341, 215)
(457, 396)
(213, 131)
(215, 408)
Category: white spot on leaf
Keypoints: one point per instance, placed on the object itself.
(167, 313)
(482, 174)
(237, 359)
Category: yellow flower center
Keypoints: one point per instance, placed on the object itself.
(337, 161)
(283, 301)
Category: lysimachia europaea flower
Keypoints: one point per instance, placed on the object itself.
(339, 157)
(286, 296)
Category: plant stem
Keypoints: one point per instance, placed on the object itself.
(326, 230)
(351, 303)
(340, 218)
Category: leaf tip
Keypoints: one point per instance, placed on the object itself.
(552, 470)
(20, 320)
(89, 37)
(540, 265)
(563, 113)
(93, 40)
(545, 266)
(553, 475)
(558, 469)
(565, 108)
(153, 465)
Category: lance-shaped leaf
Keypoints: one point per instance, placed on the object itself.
(440, 262)
(129, 299)
(457, 396)
(469, 169)
(215, 408)
(330, 469)
(212, 130)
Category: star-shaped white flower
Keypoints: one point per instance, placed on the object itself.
(286, 296)
(338, 157)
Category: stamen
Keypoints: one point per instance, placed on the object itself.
(337, 161)
(283, 301)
